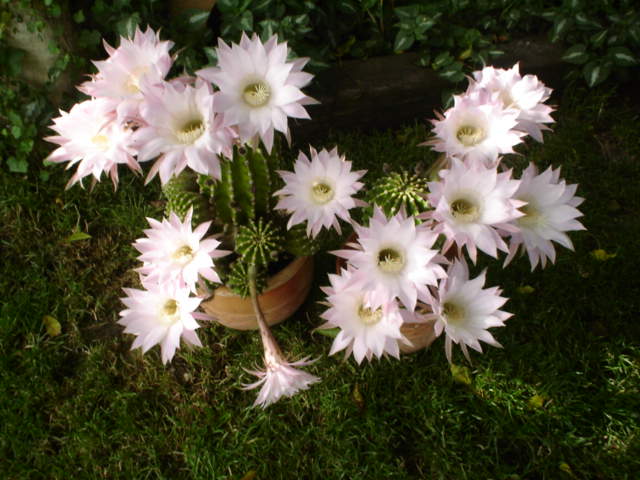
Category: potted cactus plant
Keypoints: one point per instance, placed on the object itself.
(403, 277)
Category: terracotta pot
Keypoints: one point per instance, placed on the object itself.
(421, 335)
(284, 294)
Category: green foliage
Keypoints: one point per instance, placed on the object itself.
(397, 191)
(258, 242)
(603, 36)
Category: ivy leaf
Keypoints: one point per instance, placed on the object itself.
(17, 165)
(576, 55)
(198, 19)
(78, 17)
(442, 60)
(211, 55)
(559, 28)
(404, 40)
(596, 72)
(246, 21)
(598, 39)
(622, 56)
(126, 26)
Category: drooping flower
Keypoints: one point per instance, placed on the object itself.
(525, 94)
(465, 310)
(395, 257)
(550, 211)
(369, 324)
(477, 128)
(182, 128)
(280, 378)
(472, 205)
(173, 252)
(90, 136)
(162, 314)
(259, 89)
(140, 60)
(319, 190)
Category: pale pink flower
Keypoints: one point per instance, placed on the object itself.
(472, 205)
(162, 314)
(182, 128)
(477, 128)
(280, 378)
(319, 190)
(394, 255)
(173, 252)
(465, 310)
(550, 211)
(138, 61)
(90, 136)
(525, 94)
(369, 324)
(259, 89)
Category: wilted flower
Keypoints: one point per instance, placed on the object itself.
(465, 310)
(162, 314)
(319, 191)
(280, 378)
(172, 252)
(550, 211)
(259, 89)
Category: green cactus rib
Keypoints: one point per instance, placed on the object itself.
(259, 167)
(258, 242)
(243, 186)
(299, 244)
(181, 195)
(238, 279)
(398, 190)
(223, 195)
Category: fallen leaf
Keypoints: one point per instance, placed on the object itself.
(537, 401)
(526, 289)
(460, 374)
(601, 255)
(76, 237)
(52, 325)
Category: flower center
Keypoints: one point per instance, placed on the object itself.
(469, 135)
(532, 216)
(169, 313)
(101, 141)
(390, 260)
(453, 313)
(183, 255)
(321, 192)
(464, 210)
(256, 94)
(368, 316)
(132, 85)
(190, 131)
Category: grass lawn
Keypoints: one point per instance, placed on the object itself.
(560, 401)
